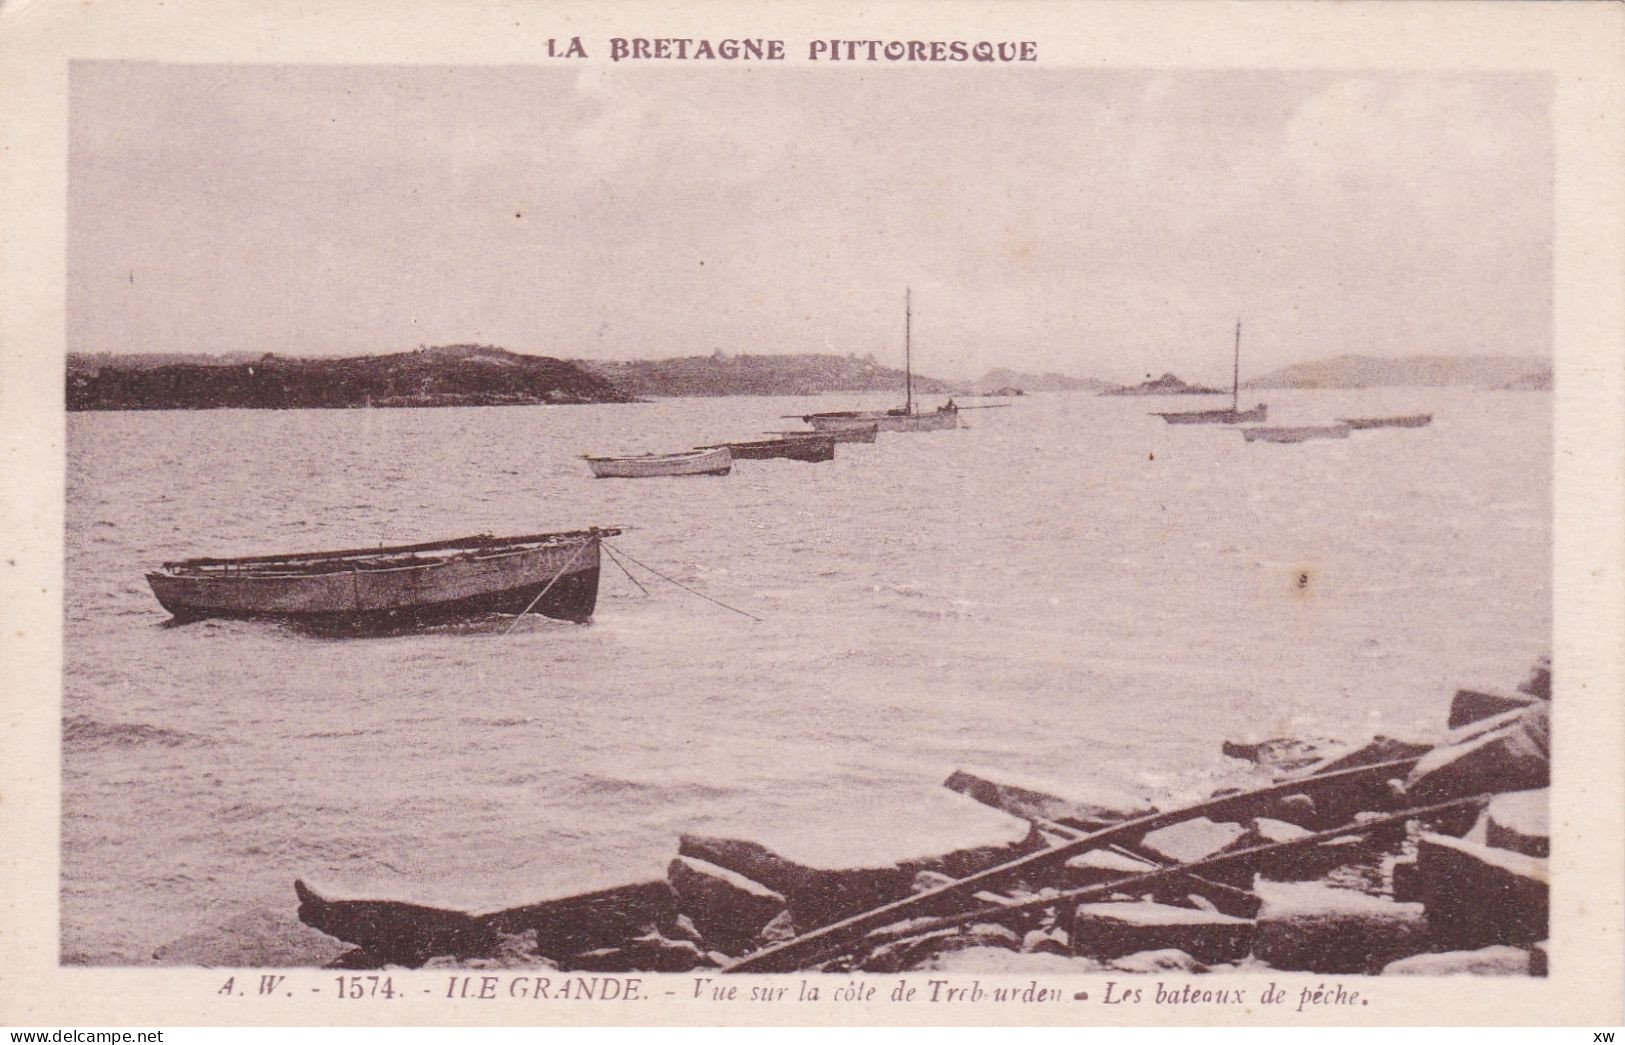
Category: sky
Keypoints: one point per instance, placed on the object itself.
(1109, 223)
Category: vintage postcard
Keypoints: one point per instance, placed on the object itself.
(1046, 514)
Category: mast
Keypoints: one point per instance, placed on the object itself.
(1235, 371)
(908, 350)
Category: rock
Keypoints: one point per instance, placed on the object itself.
(587, 921)
(1046, 941)
(1520, 821)
(1034, 800)
(830, 870)
(651, 952)
(926, 881)
(1407, 887)
(1191, 840)
(1475, 705)
(1314, 928)
(1377, 750)
(914, 952)
(1111, 930)
(1539, 682)
(1279, 753)
(682, 927)
(780, 929)
(1511, 757)
(1537, 959)
(1199, 839)
(729, 909)
(1477, 895)
(1168, 960)
(1488, 961)
(257, 938)
(516, 951)
(396, 933)
(1103, 865)
(1293, 809)
(996, 961)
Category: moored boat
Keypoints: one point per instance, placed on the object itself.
(906, 418)
(1406, 421)
(844, 429)
(712, 461)
(940, 419)
(1217, 417)
(1294, 433)
(554, 574)
(1233, 416)
(803, 446)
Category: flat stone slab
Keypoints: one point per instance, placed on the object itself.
(396, 933)
(588, 921)
(1513, 755)
(1488, 961)
(729, 909)
(1312, 927)
(1478, 895)
(1029, 798)
(836, 864)
(1191, 840)
(1103, 865)
(1475, 705)
(1112, 930)
(1520, 821)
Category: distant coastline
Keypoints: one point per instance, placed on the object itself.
(481, 375)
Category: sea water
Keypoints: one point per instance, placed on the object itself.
(1066, 588)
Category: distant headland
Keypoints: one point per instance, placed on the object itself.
(455, 375)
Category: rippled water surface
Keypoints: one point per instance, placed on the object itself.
(1067, 588)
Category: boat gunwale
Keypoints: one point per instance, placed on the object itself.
(499, 546)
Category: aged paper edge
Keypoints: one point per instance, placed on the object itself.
(1576, 44)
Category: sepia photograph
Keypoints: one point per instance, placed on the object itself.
(879, 508)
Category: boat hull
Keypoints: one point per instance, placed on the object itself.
(1363, 423)
(403, 596)
(936, 421)
(1217, 417)
(653, 466)
(803, 448)
(1299, 434)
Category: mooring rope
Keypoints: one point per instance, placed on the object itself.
(571, 561)
(617, 561)
(691, 591)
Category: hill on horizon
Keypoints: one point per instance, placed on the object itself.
(1357, 371)
(454, 375)
(720, 374)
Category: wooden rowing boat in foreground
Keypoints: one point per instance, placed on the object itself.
(713, 461)
(802, 446)
(1407, 421)
(376, 589)
(1295, 433)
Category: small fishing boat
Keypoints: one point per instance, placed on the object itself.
(1294, 433)
(802, 446)
(1233, 416)
(1407, 421)
(906, 418)
(844, 430)
(376, 589)
(712, 461)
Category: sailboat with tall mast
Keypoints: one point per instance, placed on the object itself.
(899, 419)
(1232, 416)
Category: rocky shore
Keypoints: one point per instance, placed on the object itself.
(1390, 856)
